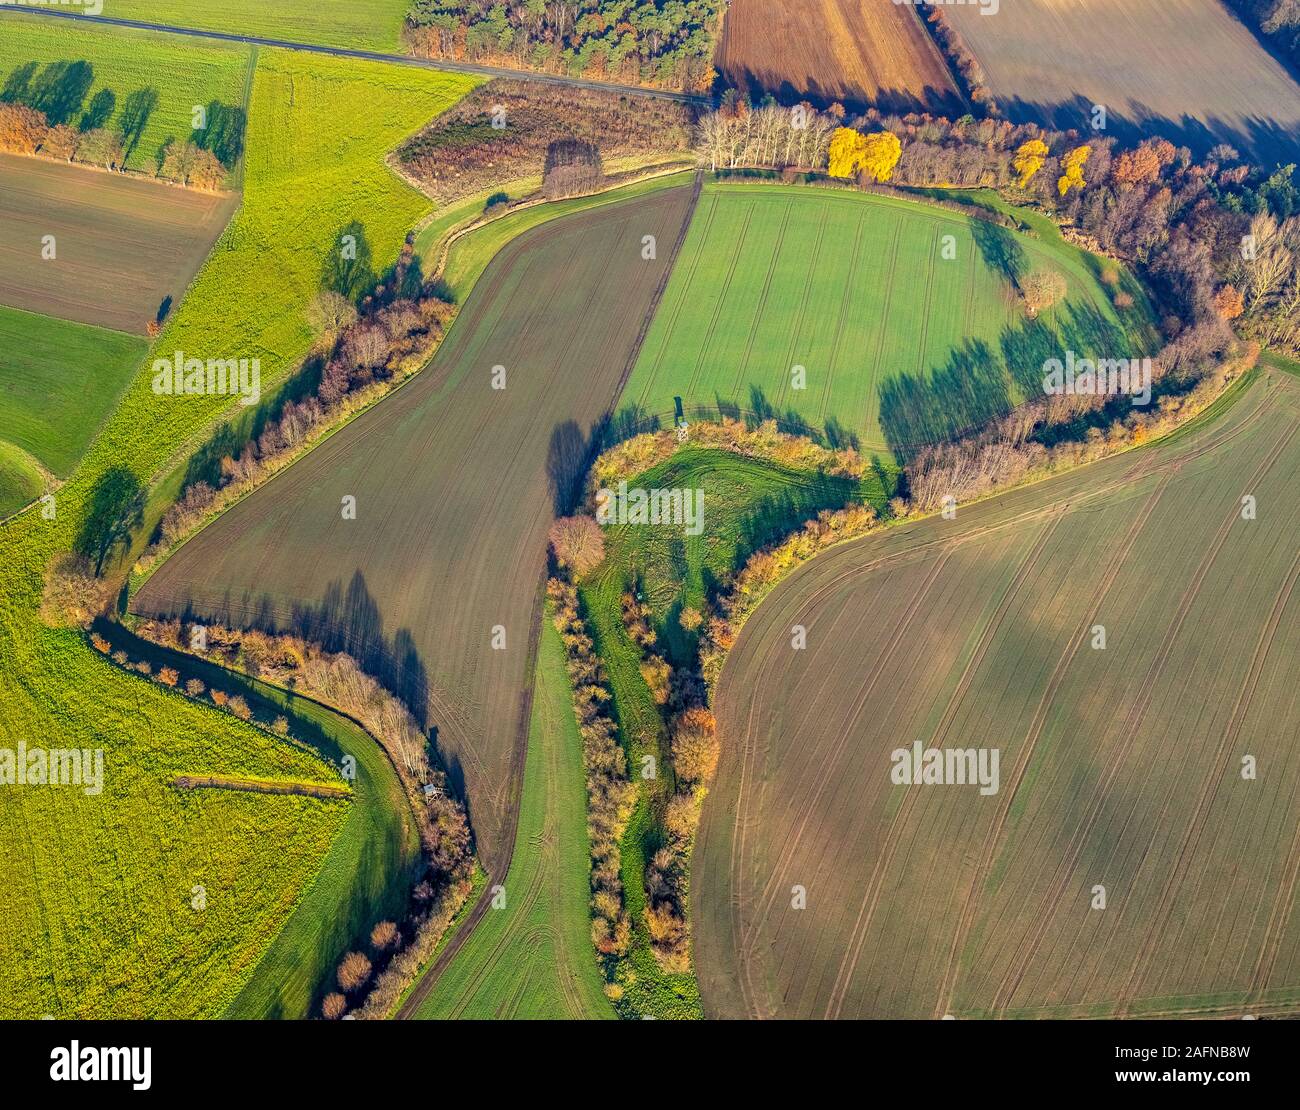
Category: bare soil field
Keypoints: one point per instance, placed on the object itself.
(856, 52)
(1120, 767)
(455, 485)
(122, 245)
(1184, 69)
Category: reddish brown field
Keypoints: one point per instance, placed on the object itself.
(122, 244)
(455, 485)
(853, 51)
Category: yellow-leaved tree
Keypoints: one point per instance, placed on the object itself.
(852, 152)
(846, 152)
(1072, 166)
(1029, 160)
(880, 154)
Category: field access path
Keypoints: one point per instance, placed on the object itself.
(1120, 765)
(370, 55)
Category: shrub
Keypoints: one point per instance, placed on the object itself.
(334, 1006)
(168, 676)
(239, 707)
(194, 687)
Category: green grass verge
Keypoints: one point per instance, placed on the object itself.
(96, 905)
(904, 315)
(21, 480)
(748, 503)
(57, 382)
(358, 24)
(533, 958)
(126, 62)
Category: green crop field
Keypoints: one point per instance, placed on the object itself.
(93, 882)
(359, 24)
(131, 62)
(899, 344)
(747, 503)
(533, 957)
(58, 380)
(1123, 702)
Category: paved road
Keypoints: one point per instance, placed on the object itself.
(368, 55)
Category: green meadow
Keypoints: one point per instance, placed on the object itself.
(532, 958)
(864, 318)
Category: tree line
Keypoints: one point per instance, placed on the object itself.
(668, 43)
(49, 112)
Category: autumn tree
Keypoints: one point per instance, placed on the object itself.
(578, 543)
(1028, 160)
(1144, 164)
(695, 745)
(1229, 303)
(383, 936)
(186, 164)
(852, 152)
(1072, 169)
(354, 970)
(61, 143)
(333, 1007)
(329, 313)
(21, 128)
(1042, 289)
(100, 147)
(880, 154)
(846, 152)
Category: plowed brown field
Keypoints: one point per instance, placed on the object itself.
(121, 244)
(853, 51)
(1120, 767)
(455, 487)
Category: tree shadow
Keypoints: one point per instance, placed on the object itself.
(348, 268)
(224, 133)
(114, 511)
(999, 250)
(99, 111)
(136, 110)
(60, 89)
